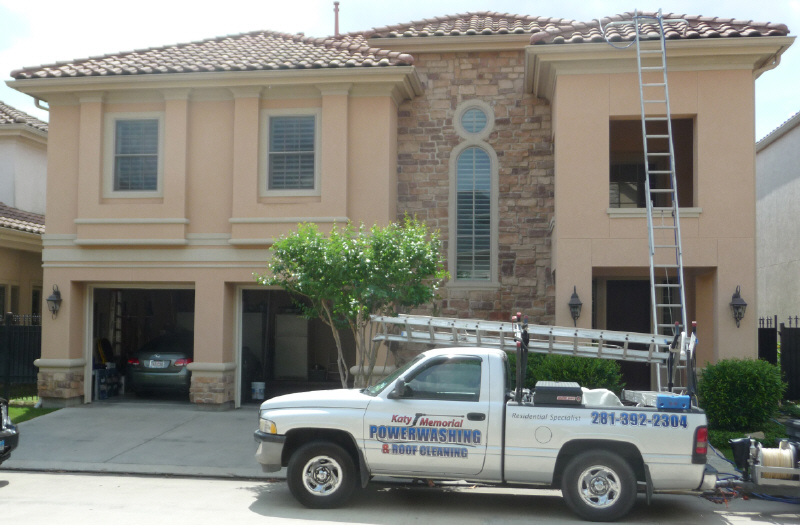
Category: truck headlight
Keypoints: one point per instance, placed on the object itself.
(267, 426)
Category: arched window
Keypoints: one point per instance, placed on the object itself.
(473, 215)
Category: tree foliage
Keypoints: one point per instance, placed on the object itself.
(352, 273)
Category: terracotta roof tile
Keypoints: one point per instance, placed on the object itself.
(10, 115)
(546, 30)
(259, 50)
(16, 219)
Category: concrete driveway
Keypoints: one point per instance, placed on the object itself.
(150, 437)
(153, 437)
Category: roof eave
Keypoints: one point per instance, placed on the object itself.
(778, 132)
(545, 62)
(20, 240)
(23, 130)
(404, 77)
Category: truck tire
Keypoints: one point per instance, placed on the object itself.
(599, 486)
(321, 475)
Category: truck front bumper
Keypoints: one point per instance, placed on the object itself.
(270, 448)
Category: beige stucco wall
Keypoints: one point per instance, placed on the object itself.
(718, 242)
(211, 229)
(21, 268)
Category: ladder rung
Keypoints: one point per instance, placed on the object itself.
(654, 84)
(660, 172)
(667, 285)
(665, 227)
(665, 266)
(659, 119)
(658, 154)
(657, 136)
(661, 325)
(662, 208)
(668, 305)
(652, 68)
(660, 190)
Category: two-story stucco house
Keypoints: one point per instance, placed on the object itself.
(23, 175)
(172, 169)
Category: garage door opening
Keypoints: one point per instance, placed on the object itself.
(143, 340)
(282, 352)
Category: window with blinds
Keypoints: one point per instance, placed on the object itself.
(136, 155)
(291, 153)
(473, 215)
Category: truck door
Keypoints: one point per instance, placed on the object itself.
(438, 426)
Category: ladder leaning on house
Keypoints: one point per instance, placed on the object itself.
(667, 293)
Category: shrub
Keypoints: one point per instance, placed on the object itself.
(586, 371)
(740, 394)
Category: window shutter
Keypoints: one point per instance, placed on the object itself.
(473, 215)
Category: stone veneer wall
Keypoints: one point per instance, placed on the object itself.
(60, 386)
(521, 138)
(212, 388)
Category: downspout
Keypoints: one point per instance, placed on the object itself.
(38, 104)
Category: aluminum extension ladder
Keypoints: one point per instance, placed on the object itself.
(667, 293)
(584, 342)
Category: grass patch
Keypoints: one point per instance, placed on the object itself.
(20, 414)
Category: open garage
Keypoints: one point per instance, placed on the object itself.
(283, 352)
(143, 340)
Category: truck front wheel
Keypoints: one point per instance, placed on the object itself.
(321, 475)
(599, 486)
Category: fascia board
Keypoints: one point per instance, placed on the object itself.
(404, 76)
(545, 62)
(779, 132)
(25, 132)
(20, 240)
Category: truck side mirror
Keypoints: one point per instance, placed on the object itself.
(399, 389)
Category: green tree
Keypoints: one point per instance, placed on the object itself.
(354, 273)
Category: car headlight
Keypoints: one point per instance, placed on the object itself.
(267, 426)
(4, 419)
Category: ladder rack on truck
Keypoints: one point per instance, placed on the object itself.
(582, 342)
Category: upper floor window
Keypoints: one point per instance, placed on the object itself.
(473, 215)
(472, 250)
(627, 164)
(133, 154)
(291, 149)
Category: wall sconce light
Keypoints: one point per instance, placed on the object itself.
(575, 305)
(54, 301)
(738, 306)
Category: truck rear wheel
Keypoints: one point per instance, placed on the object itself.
(321, 475)
(599, 486)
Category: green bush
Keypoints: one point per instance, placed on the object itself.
(586, 371)
(772, 432)
(740, 394)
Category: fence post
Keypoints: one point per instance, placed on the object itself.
(9, 318)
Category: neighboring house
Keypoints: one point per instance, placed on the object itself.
(23, 174)
(516, 136)
(778, 221)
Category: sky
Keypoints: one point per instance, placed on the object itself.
(46, 31)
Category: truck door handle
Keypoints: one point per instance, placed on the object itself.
(476, 416)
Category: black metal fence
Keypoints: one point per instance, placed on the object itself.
(768, 331)
(20, 346)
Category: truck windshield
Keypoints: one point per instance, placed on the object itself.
(377, 388)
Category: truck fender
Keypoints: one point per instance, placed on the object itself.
(362, 464)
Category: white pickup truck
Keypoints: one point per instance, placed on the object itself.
(450, 415)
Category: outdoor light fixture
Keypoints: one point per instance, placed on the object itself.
(54, 301)
(575, 305)
(738, 306)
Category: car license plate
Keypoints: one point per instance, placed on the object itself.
(159, 364)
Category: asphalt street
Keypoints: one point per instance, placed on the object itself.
(44, 498)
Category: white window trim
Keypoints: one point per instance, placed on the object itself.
(455, 282)
(263, 153)
(109, 137)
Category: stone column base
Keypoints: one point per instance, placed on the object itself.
(60, 382)
(212, 385)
